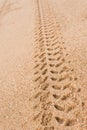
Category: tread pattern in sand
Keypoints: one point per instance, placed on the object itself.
(56, 102)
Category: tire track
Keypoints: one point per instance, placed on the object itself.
(7, 7)
(56, 99)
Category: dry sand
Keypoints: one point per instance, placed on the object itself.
(43, 65)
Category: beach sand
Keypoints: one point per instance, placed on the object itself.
(43, 65)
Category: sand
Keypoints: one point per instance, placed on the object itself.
(43, 65)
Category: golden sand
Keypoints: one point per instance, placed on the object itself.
(43, 65)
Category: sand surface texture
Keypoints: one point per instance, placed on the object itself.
(43, 65)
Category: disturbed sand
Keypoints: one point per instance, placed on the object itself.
(43, 65)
